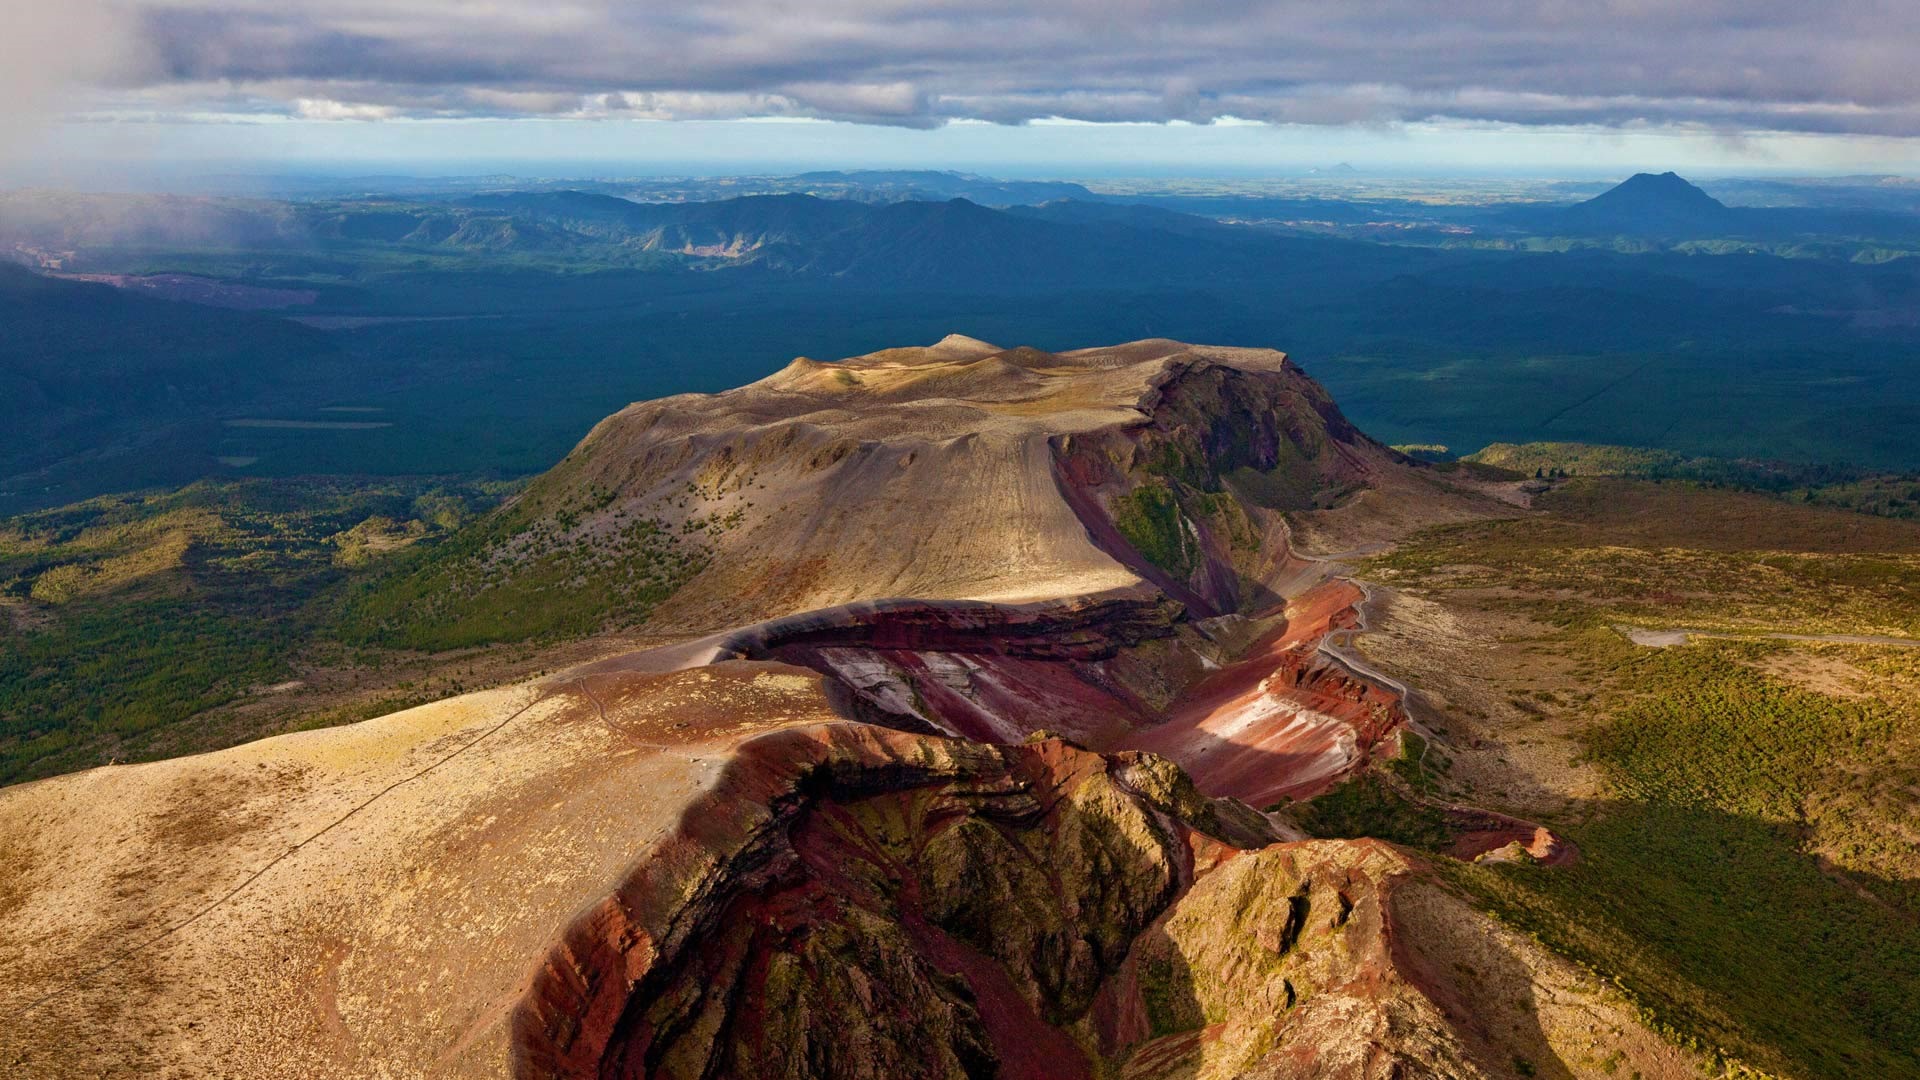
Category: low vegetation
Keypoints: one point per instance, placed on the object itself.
(540, 580)
(1150, 518)
(1749, 871)
(1840, 487)
(1702, 887)
(123, 616)
(1676, 555)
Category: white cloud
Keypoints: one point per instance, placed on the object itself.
(328, 109)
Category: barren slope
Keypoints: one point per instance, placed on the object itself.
(957, 471)
(350, 902)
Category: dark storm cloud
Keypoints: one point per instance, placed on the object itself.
(1754, 64)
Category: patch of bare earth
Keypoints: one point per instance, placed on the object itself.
(1819, 670)
(1500, 694)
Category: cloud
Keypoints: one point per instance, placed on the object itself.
(327, 109)
(1726, 65)
(51, 51)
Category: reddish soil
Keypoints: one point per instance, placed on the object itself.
(1285, 721)
(815, 833)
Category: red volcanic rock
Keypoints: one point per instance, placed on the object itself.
(988, 672)
(854, 901)
(857, 902)
(1081, 628)
(1286, 720)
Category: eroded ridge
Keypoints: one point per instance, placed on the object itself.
(851, 901)
(950, 890)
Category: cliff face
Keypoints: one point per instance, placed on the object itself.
(854, 902)
(1190, 499)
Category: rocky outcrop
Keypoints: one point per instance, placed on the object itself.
(1282, 963)
(853, 902)
(856, 902)
(1486, 836)
(1190, 498)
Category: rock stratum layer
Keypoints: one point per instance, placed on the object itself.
(987, 656)
(855, 902)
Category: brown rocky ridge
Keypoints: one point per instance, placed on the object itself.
(989, 658)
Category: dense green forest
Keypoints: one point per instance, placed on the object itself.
(414, 348)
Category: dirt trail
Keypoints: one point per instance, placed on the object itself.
(1338, 644)
(1661, 639)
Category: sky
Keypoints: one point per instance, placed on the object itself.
(1077, 87)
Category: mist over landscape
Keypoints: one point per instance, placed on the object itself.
(867, 540)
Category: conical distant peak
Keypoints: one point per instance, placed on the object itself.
(1668, 187)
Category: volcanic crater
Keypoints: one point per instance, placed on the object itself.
(973, 759)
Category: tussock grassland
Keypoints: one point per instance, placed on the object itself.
(1682, 556)
(1750, 867)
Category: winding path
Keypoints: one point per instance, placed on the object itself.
(1337, 645)
(1661, 639)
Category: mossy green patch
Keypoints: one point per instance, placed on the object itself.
(1367, 805)
(1150, 518)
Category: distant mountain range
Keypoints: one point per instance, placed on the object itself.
(952, 243)
(860, 185)
(897, 185)
(857, 185)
